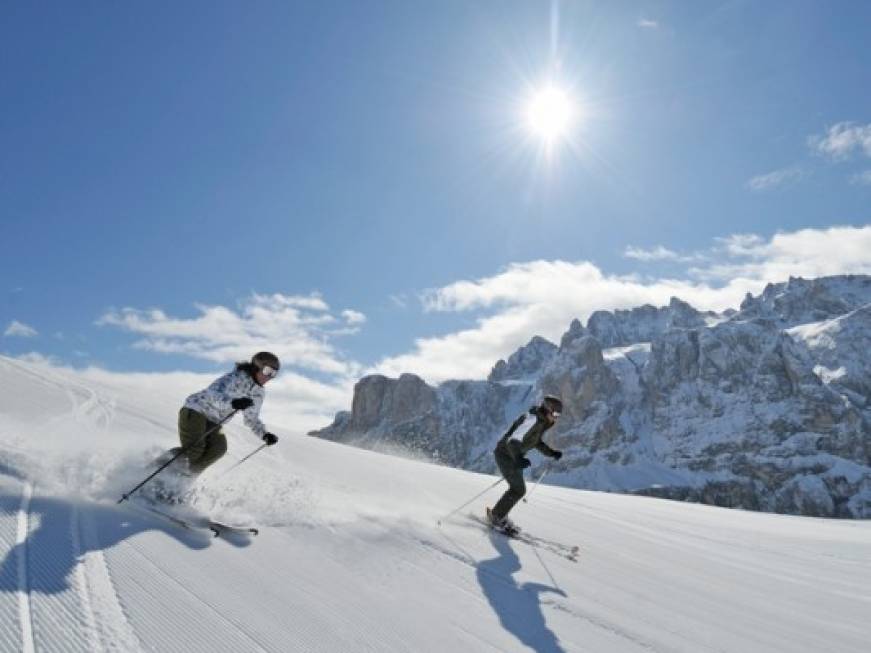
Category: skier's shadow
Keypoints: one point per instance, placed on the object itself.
(60, 532)
(517, 606)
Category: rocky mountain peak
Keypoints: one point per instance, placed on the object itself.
(378, 400)
(621, 328)
(526, 362)
(799, 301)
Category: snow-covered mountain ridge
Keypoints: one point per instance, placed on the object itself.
(767, 407)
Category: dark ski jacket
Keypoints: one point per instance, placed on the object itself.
(517, 449)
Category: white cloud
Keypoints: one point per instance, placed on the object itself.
(646, 23)
(20, 330)
(774, 179)
(353, 317)
(806, 253)
(861, 178)
(658, 253)
(841, 140)
(740, 244)
(542, 297)
(296, 328)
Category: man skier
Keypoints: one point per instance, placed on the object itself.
(242, 389)
(511, 459)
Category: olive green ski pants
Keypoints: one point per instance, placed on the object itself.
(191, 426)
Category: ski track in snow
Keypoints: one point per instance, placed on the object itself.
(25, 615)
(93, 410)
(206, 612)
(59, 608)
(202, 611)
(63, 619)
(109, 623)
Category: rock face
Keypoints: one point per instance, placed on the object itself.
(642, 324)
(767, 408)
(801, 301)
(526, 363)
(406, 416)
(404, 408)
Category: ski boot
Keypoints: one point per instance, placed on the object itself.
(503, 525)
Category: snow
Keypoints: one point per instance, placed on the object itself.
(350, 556)
(827, 376)
(641, 349)
(816, 334)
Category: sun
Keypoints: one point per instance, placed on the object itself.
(550, 113)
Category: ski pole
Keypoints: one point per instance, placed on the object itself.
(181, 451)
(469, 501)
(262, 446)
(543, 474)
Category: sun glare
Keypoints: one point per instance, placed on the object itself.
(550, 113)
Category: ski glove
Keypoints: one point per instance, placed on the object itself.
(241, 403)
(524, 463)
(270, 439)
(557, 455)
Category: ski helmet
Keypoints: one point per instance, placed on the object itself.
(266, 359)
(555, 404)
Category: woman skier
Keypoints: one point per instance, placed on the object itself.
(511, 459)
(242, 390)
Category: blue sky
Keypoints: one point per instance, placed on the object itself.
(353, 185)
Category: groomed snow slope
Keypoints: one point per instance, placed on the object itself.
(350, 557)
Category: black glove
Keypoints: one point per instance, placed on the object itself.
(524, 463)
(241, 403)
(557, 455)
(270, 439)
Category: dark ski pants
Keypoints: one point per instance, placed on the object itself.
(516, 485)
(191, 426)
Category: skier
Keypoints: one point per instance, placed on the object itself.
(242, 389)
(511, 459)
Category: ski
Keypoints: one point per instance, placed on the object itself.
(221, 527)
(178, 521)
(199, 524)
(567, 551)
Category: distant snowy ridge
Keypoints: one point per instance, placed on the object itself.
(765, 408)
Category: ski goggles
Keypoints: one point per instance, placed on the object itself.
(269, 372)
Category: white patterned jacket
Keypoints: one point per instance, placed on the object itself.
(214, 401)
